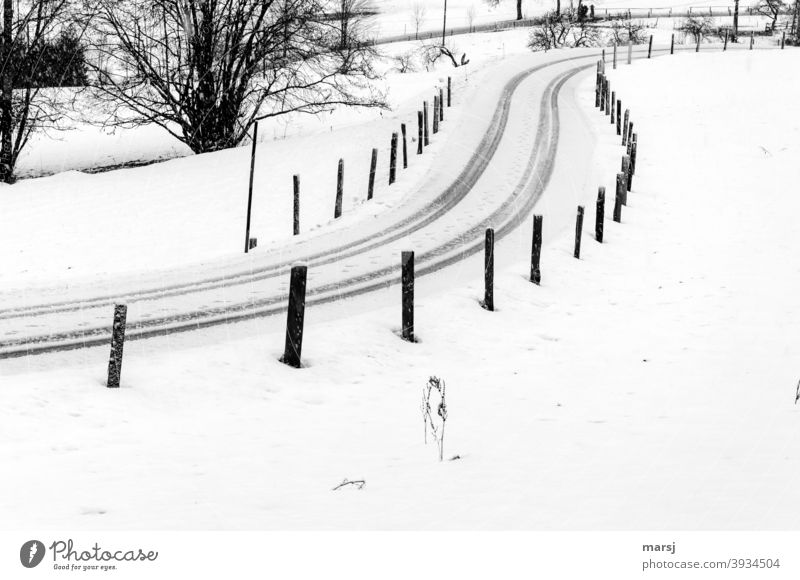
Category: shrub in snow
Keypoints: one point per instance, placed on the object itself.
(562, 31)
(433, 397)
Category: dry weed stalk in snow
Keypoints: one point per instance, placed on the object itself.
(436, 388)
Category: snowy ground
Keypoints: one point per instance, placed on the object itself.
(648, 385)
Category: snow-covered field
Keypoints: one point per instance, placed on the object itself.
(648, 385)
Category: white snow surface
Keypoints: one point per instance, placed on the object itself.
(650, 384)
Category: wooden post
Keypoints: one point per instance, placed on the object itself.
(619, 117)
(296, 220)
(250, 189)
(618, 199)
(435, 114)
(725, 46)
(630, 135)
(626, 169)
(622, 187)
(295, 316)
(625, 127)
(337, 211)
(441, 104)
(615, 55)
(697, 48)
(600, 214)
(407, 265)
(783, 40)
(608, 95)
(752, 37)
(672, 44)
(373, 167)
(650, 47)
(419, 131)
(578, 232)
(597, 87)
(117, 342)
(611, 106)
(449, 91)
(488, 271)
(425, 121)
(602, 93)
(633, 154)
(393, 160)
(405, 146)
(536, 250)
(630, 51)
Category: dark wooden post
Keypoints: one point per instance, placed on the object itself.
(618, 198)
(602, 93)
(626, 169)
(611, 105)
(672, 45)
(250, 189)
(622, 186)
(373, 167)
(488, 271)
(435, 114)
(405, 145)
(783, 40)
(337, 211)
(615, 55)
(752, 37)
(449, 91)
(633, 154)
(619, 117)
(419, 131)
(536, 250)
(625, 128)
(425, 121)
(296, 220)
(295, 316)
(117, 342)
(650, 47)
(578, 232)
(607, 96)
(725, 46)
(407, 264)
(697, 47)
(600, 214)
(393, 160)
(630, 135)
(441, 104)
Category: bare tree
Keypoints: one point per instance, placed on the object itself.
(30, 100)
(206, 70)
(562, 31)
(771, 9)
(697, 27)
(624, 30)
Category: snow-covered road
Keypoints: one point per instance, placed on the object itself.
(519, 141)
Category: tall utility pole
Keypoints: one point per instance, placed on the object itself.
(444, 23)
(735, 21)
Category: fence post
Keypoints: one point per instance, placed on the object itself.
(625, 127)
(295, 316)
(578, 232)
(407, 283)
(618, 198)
(600, 214)
(619, 117)
(419, 131)
(626, 169)
(597, 87)
(630, 51)
(405, 146)
(613, 100)
(425, 121)
(725, 46)
(393, 160)
(783, 40)
(441, 104)
(435, 114)
(488, 271)
(650, 46)
(630, 135)
(117, 342)
(536, 250)
(622, 185)
(373, 167)
(633, 153)
(296, 220)
(250, 189)
(752, 37)
(449, 90)
(697, 48)
(615, 56)
(337, 211)
(608, 94)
